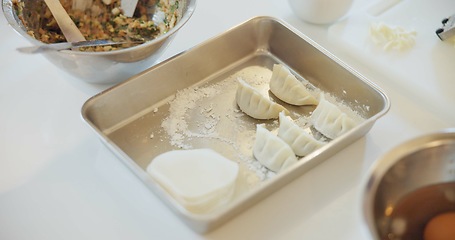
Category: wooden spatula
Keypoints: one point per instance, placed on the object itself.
(66, 24)
(128, 7)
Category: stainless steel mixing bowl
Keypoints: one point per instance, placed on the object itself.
(106, 67)
(409, 185)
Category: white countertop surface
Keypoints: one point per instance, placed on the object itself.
(58, 181)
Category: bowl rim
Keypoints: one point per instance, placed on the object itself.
(10, 16)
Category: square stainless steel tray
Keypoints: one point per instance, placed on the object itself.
(128, 117)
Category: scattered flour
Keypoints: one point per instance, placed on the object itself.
(207, 116)
(176, 124)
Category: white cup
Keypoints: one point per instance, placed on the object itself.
(320, 11)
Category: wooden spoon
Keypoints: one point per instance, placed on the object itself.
(66, 24)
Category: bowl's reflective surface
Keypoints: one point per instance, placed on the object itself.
(105, 67)
(410, 185)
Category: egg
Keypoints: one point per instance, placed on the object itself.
(441, 227)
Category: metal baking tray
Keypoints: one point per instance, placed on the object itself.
(129, 116)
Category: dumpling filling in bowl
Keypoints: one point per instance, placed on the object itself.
(100, 19)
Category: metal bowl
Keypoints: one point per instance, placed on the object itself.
(410, 185)
(105, 67)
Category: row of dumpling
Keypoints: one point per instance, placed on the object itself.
(283, 85)
(277, 152)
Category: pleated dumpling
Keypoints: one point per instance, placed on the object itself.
(271, 151)
(329, 120)
(285, 86)
(254, 104)
(301, 142)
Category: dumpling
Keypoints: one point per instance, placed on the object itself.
(271, 151)
(287, 88)
(301, 142)
(329, 120)
(254, 104)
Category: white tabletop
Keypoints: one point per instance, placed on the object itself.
(58, 181)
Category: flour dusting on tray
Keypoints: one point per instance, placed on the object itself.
(197, 117)
(208, 116)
